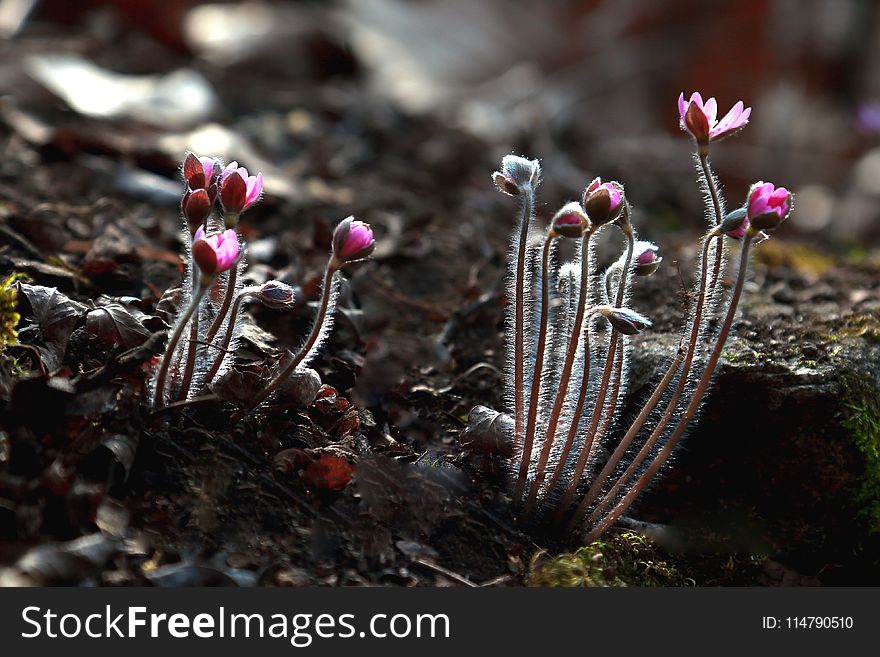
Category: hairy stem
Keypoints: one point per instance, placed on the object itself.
(577, 327)
(172, 343)
(519, 303)
(192, 347)
(709, 178)
(315, 333)
(691, 409)
(227, 338)
(539, 358)
(671, 406)
(584, 456)
(231, 282)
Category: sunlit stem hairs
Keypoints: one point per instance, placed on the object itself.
(213, 293)
(568, 335)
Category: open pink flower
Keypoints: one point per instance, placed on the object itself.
(701, 120)
(768, 205)
(238, 190)
(214, 253)
(352, 240)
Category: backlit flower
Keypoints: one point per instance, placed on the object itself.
(214, 253)
(768, 206)
(701, 120)
(238, 190)
(352, 240)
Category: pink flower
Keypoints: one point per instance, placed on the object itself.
(198, 171)
(647, 261)
(603, 201)
(701, 120)
(571, 220)
(768, 206)
(238, 190)
(352, 240)
(214, 253)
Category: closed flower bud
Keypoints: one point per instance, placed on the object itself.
(570, 221)
(627, 321)
(768, 206)
(196, 206)
(646, 261)
(200, 172)
(735, 224)
(238, 191)
(352, 240)
(275, 294)
(214, 253)
(603, 202)
(516, 172)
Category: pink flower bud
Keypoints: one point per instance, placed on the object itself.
(275, 294)
(214, 253)
(701, 120)
(646, 259)
(627, 321)
(352, 240)
(516, 172)
(768, 206)
(603, 202)
(199, 172)
(238, 190)
(196, 206)
(735, 224)
(570, 221)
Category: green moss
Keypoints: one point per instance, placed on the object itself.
(861, 397)
(9, 316)
(623, 559)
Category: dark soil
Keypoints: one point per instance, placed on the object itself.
(93, 489)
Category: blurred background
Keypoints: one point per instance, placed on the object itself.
(589, 86)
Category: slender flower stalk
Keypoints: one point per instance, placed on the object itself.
(192, 347)
(539, 354)
(578, 327)
(352, 241)
(590, 437)
(643, 417)
(172, 344)
(520, 177)
(319, 330)
(274, 294)
(691, 409)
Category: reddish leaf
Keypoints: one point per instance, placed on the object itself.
(329, 472)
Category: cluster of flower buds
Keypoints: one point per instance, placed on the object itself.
(216, 256)
(565, 377)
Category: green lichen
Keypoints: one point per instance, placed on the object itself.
(9, 316)
(623, 559)
(861, 398)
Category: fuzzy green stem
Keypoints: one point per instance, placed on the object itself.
(192, 347)
(706, 169)
(326, 293)
(691, 409)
